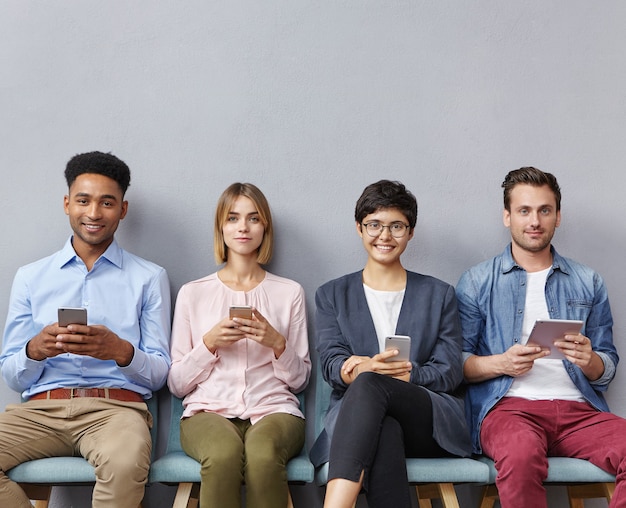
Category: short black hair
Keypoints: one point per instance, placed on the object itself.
(529, 175)
(384, 195)
(99, 163)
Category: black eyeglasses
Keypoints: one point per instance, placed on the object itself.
(397, 229)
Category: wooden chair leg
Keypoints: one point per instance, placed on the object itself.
(424, 503)
(609, 489)
(578, 493)
(289, 500)
(425, 493)
(443, 491)
(187, 495)
(575, 493)
(38, 493)
(490, 495)
(448, 495)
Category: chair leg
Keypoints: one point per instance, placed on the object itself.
(424, 503)
(187, 495)
(289, 500)
(448, 495)
(490, 495)
(425, 493)
(443, 491)
(38, 493)
(578, 493)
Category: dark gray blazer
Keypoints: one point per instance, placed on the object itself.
(344, 327)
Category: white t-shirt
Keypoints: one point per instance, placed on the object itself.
(385, 309)
(548, 379)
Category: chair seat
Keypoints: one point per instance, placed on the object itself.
(300, 469)
(175, 467)
(54, 470)
(178, 467)
(436, 470)
(446, 470)
(564, 470)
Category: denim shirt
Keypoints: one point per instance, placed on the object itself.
(491, 298)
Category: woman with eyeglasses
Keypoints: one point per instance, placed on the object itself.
(384, 408)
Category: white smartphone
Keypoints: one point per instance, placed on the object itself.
(400, 342)
(72, 316)
(240, 311)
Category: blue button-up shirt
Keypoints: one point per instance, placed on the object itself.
(491, 300)
(125, 293)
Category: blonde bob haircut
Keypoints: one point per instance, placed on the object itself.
(224, 207)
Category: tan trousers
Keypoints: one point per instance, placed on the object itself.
(113, 436)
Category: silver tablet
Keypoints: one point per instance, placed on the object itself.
(547, 331)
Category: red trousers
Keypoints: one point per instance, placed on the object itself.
(520, 434)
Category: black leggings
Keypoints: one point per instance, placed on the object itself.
(381, 422)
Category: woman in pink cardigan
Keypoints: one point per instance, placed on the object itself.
(239, 376)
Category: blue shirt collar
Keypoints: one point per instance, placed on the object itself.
(113, 254)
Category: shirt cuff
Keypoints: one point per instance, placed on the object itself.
(609, 370)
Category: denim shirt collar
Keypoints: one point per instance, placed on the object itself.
(509, 264)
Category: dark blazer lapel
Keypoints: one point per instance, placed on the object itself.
(363, 333)
(408, 312)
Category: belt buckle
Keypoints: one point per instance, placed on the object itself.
(80, 392)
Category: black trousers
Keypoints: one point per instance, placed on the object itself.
(381, 422)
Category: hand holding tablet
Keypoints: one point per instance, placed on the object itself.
(547, 331)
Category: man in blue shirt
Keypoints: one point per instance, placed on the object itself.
(85, 385)
(522, 404)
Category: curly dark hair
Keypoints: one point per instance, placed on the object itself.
(386, 194)
(99, 163)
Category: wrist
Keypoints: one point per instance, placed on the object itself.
(280, 349)
(31, 352)
(127, 353)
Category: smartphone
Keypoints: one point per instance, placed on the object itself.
(241, 311)
(72, 316)
(400, 342)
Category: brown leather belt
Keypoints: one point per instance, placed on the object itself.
(101, 393)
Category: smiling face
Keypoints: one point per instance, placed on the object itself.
(95, 206)
(243, 230)
(384, 249)
(533, 218)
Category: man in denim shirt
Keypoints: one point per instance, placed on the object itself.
(523, 405)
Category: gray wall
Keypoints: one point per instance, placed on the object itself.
(312, 101)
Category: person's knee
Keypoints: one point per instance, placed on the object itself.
(126, 465)
(223, 458)
(365, 383)
(264, 456)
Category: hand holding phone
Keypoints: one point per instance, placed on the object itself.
(240, 311)
(402, 343)
(72, 316)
